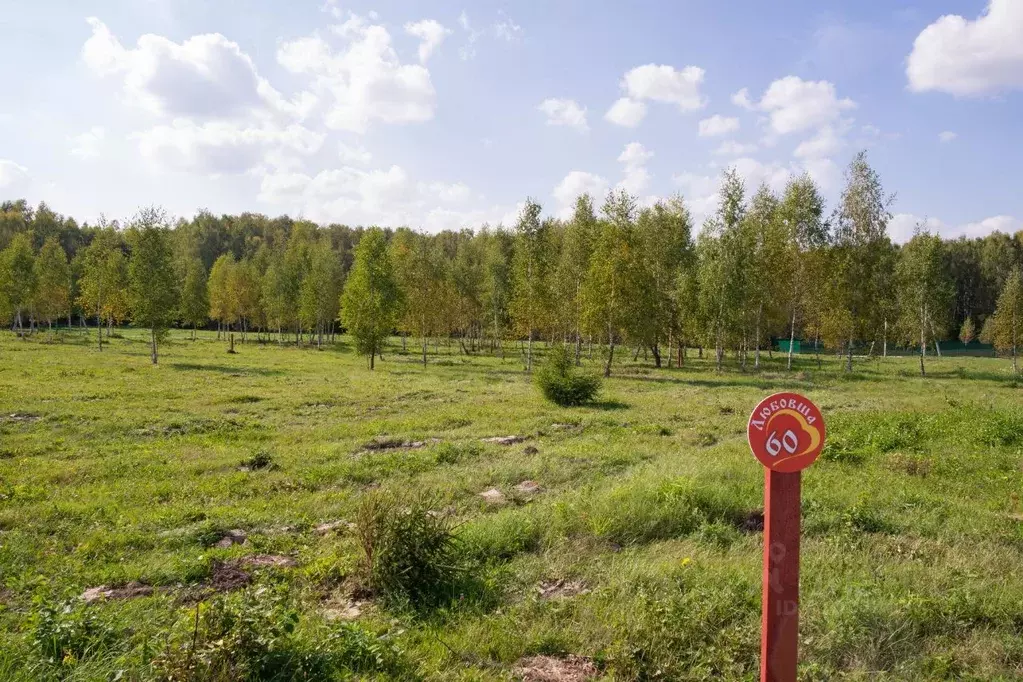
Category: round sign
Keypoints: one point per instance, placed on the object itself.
(786, 432)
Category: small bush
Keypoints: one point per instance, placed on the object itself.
(260, 460)
(255, 636)
(410, 554)
(65, 633)
(560, 383)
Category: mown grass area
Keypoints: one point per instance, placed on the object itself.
(641, 551)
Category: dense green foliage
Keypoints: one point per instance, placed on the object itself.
(562, 384)
(763, 266)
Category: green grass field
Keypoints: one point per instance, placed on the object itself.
(640, 551)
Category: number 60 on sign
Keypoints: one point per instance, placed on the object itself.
(786, 432)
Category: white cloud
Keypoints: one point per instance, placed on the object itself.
(356, 154)
(700, 193)
(363, 82)
(733, 148)
(718, 125)
(902, 226)
(206, 76)
(663, 83)
(999, 223)
(755, 173)
(575, 184)
(12, 175)
(634, 158)
(947, 136)
(741, 99)
(219, 147)
(824, 172)
(794, 105)
(87, 145)
(970, 57)
(635, 154)
(377, 196)
(564, 112)
(826, 142)
(468, 51)
(626, 112)
(450, 193)
(430, 33)
(506, 29)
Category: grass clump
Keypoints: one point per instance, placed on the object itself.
(66, 633)
(260, 460)
(410, 555)
(256, 636)
(560, 383)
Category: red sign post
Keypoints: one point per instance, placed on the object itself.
(786, 433)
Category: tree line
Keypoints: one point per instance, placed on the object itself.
(617, 276)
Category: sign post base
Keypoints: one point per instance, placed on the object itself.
(780, 616)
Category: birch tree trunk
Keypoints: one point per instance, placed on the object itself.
(792, 337)
(756, 352)
(923, 341)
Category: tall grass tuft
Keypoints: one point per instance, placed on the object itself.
(410, 555)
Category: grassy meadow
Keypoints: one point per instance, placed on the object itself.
(637, 554)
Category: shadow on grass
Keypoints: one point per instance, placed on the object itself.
(224, 369)
(608, 405)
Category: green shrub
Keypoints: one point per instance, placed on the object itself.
(255, 636)
(66, 633)
(410, 553)
(560, 383)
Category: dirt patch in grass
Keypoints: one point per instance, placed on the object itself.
(751, 522)
(227, 576)
(232, 537)
(571, 668)
(561, 589)
(132, 590)
(19, 418)
(264, 560)
(504, 440)
(397, 444)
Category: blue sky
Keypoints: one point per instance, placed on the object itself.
(444, 114)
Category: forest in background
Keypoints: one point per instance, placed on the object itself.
(763, 267)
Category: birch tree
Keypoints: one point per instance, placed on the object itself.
(321, 290)
(371, 298)
(1007, 324)
(665, 248)
(195, 307)
(222, 300)
(576, 250)
(17, 280)
(532, 263)
(607, 290)
(104, 280)
(722, 252)
(861, 236)
(801, 211)
(52, 295)
(924, 293)
(152, 284)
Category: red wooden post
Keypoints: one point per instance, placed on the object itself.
(786, 433)
(780, 616)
